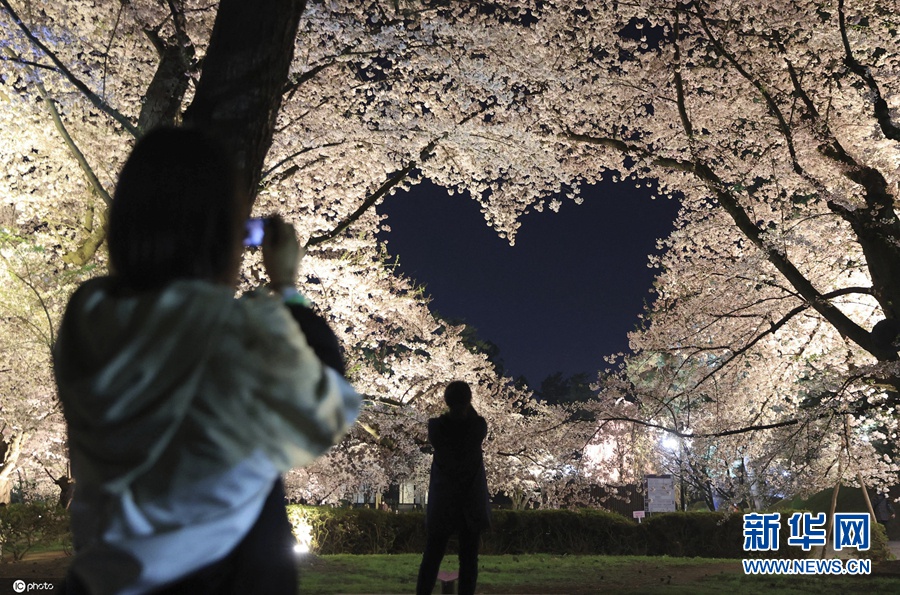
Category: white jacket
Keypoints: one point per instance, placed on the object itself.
(183, 406)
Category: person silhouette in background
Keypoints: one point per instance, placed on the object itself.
(458, 501)
(884, 510)
(184, 404)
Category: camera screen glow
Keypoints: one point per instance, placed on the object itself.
(255, 230)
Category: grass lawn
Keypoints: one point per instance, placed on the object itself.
(578, 575)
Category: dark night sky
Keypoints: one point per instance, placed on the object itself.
(562, 298)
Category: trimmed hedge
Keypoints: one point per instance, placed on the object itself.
(695, 534)
(359, 530)
(710, 535)
(576, 532)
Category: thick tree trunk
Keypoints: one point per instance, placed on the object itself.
(519, 499)
(829, 527)
(5, 491)
(10, 450)
(165, 93)
(865, 493)
(877, 230)
(244, 75)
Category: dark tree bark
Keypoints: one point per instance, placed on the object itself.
(177, 62)
(66, 485)
(244, 75)
(162, 102)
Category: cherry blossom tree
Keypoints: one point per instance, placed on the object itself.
(76, 97)
(776, 308)
(773, 124)
(57, 196)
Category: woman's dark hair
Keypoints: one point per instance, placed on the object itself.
(458, 396)
(175, 210)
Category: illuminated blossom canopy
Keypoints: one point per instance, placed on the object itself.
(772, 122)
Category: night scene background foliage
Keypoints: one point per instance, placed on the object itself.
(766, 364)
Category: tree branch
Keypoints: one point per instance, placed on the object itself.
(51, 339)
(775, 327)
(70, 143)
(308, 75)
(842, 323)
(95, 99)
(24, 62)
(86, 251)
(176, 9)
(109, 43)
(771, 104)
(303, 77)
(371, 200)
(877, 227)
(393, 181)
(281, 162)
(679, 83)
(628, 149)
(177, 62)
(722, 434)
(882, 111)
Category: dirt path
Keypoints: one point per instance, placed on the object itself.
(45, 566)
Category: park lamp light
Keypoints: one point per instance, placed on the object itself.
(303, 535)
(675, 442)
(669, 442)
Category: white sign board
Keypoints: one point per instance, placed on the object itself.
(660, 493)
(638, 514)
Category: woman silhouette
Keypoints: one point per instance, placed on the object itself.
(184, 404)
(457, 493)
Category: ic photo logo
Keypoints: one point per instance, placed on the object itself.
(21, 586)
